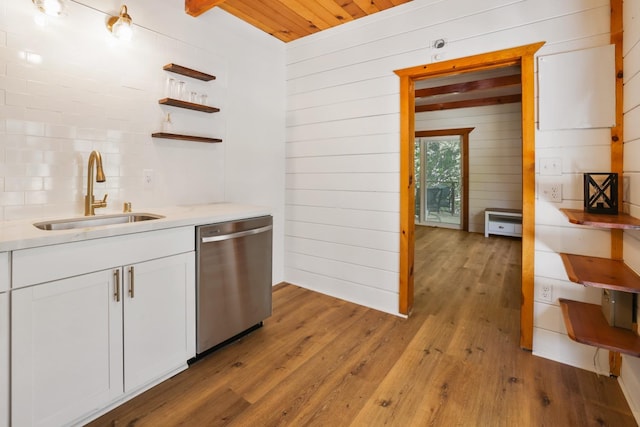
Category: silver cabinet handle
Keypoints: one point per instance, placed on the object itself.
(131, 282)
(116, 293)
(236, 235)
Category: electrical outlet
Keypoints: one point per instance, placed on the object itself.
(551, 192)
(546, 293)
(147, 178)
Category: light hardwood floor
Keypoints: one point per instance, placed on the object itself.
(319, 361)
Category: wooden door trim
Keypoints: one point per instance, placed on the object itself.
(464, 135)
(523, 56)
(617, 146)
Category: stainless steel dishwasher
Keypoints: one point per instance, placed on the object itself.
(233, 271)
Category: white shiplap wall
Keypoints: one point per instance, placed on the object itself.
(495, 155)
(343, 143)
(630, 376)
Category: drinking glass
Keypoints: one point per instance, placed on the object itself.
(170, 89)
(182, 91)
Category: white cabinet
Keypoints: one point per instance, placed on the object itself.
(81, 343)
(505, 222)
(158, 306)
(4, 338)
(5, 270)
(66, 349)
(4, 359)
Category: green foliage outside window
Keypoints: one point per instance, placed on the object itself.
(443, 161)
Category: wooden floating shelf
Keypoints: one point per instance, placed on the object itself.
(179, 69)
(601, 273)
(189, 105)
(180, 137)
(587, 325)
(623, 221)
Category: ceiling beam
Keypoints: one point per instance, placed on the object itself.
(198, 7)
(491, 83)
(481, 102)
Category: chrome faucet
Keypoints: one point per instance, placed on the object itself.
(89, 201)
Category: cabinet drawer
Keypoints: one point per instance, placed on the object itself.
(48, 263)
(502, 227)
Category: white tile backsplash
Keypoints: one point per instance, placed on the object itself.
(8, 198)
(67, 88)
(23, 184)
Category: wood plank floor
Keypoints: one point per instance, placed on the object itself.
(319, 361)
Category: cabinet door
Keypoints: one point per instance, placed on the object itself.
(159, 318)
(66, 349)
(4, 359)
(4, 271)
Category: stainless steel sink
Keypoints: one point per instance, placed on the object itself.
(95, 221)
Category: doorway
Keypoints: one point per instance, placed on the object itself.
(441, 163)
(524, 57)
(438, 162)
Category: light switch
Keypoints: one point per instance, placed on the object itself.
(551, 166)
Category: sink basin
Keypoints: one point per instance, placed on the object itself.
(94, 221)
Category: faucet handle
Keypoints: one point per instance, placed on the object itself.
(102, 203)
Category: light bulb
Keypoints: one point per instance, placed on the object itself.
(121, 26)
(122, 30)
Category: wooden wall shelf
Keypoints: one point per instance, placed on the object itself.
(587, 325)
(179, 69)
(621, 221)
(601, 273)
(585, 322)
(181, 137)
(188, 105)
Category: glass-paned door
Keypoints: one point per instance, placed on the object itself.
(438, 169)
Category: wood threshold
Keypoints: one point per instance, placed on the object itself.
(181, 137)
(620, 221)
(601, 273)
(188, 105)
(587, 325)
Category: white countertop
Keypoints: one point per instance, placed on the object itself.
(22, 234)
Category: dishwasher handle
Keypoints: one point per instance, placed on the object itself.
(236, 235)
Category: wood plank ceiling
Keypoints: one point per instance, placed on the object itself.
(499, 86)
(289, 20)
